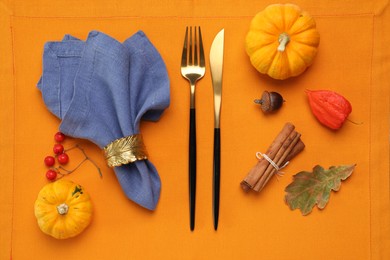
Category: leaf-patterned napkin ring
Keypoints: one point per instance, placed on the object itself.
(125, 150)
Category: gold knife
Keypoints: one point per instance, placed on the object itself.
(216, 66)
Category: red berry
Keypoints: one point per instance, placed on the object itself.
(49, 161)
(63, 158)
(58, 149)
(59, 137)
(51, 175)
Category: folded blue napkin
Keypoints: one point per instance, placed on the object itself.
(101, 89)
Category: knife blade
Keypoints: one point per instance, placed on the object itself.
(216, 66)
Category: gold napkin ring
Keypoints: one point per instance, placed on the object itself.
(125, 150)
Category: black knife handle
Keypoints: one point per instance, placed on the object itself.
(192, 167)
(216, 175)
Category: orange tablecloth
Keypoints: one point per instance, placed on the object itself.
(353, 59)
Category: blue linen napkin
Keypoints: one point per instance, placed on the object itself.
(101, 89)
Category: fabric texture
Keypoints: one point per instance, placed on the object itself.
(101, 89)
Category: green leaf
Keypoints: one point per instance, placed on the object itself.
(311, 188)
(77, 189)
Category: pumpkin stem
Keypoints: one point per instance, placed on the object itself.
(62, 209)
(284, 39)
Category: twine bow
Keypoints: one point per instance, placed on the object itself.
(277, 168)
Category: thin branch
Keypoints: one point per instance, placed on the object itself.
(87, 158)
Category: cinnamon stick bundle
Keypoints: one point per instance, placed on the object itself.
(286, 146)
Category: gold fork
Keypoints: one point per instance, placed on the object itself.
(193, 69)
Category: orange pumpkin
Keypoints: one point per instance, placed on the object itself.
(282, 41)
(63, 209)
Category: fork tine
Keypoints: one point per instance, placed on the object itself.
(201, 52)
(190, 51)
(195, 49)
(184, 53)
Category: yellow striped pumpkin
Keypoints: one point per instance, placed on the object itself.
(282, 41)
(63, 209)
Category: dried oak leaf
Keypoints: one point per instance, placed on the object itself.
(310, 188)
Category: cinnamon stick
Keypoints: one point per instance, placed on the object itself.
(255, 173)
(286, 145)
(296, 150)
(283, 151)
(270, 171)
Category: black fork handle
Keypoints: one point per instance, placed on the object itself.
(192, 167)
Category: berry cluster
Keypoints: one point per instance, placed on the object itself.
(60, 154)
(62, 158)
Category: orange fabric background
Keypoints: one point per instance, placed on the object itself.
(353, 59)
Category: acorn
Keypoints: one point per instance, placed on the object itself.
(270, 101)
